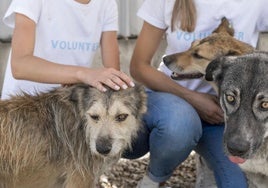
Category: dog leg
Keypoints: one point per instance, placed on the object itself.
(204, 176)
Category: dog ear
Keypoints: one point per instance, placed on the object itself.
(214, 69)
(225, 27)
(142, 96)
(195, 43)
(233, 52)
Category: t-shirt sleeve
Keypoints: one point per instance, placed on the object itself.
(262, 24)
(29, 8)
(110, 16)
(152, 12)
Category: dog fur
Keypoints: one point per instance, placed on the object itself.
(192, 63)
(68, 137)
(243, 92)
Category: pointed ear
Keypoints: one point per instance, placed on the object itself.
(224, 27)
(239, 48)
(195, 43)
(142, 98)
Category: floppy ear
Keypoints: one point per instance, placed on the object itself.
(224, 27)
(233, 52)
(214, 69)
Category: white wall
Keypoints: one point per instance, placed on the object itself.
(5, 32)
(129, 23)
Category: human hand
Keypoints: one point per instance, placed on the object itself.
(208, 107)
(101, 77)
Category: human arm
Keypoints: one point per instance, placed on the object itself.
(141, 70)
(110, 55)
(29, 67)
(110, 49)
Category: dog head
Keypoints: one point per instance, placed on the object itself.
(113, 118)
(243, 92)
(193, 62)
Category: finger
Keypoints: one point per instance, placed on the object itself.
(124, 78)
(111, 84)
(214, 121)
(219, 119)
(211, 121)
(100, 87)
(119, 82)
(215, 118)
(220, 113)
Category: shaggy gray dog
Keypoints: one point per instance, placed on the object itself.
(243, 92)
(67, 137)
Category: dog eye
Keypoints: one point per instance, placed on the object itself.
(264, 105)
(197, 56)
(95, 117)
(121, 117)
(230, 99)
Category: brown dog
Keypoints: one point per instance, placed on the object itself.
(193, 62)
(68, 137)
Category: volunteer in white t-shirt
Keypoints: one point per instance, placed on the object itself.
(54, 42)
(185, 116)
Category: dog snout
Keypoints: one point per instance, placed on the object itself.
(238, 148)
(168, 59)
(104, 145)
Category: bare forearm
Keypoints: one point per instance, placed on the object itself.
(39, 70)
(110, 50)
(158, 81)
(26, 66)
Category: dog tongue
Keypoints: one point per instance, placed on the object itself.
(236, 160)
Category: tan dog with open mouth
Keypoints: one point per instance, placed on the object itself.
(192, 63)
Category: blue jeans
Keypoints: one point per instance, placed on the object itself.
(172, 129)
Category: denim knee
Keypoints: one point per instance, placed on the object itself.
(175, 129)
(177, 133)
(172, 117)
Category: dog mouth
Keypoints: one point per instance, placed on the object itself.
(236, 159)
(183, 76)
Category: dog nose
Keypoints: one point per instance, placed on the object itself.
(238, 148)
(167, 59)
(104, 145)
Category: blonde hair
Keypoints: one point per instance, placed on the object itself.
(184, 12)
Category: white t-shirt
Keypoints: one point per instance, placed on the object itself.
(67, 32)
(248, 18)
